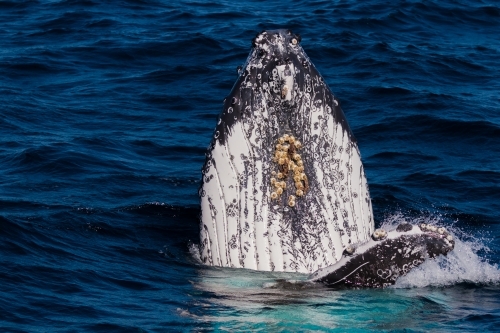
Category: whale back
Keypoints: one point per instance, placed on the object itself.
(283, 185)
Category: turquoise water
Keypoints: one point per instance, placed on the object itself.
(457, 292)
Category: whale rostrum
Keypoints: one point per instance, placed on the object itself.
(283, 186)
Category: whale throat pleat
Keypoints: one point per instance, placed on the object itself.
(284, 187)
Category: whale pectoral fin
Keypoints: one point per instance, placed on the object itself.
(381, 261)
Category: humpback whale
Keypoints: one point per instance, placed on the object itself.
(283, 185)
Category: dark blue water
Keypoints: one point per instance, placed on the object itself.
(106, 109)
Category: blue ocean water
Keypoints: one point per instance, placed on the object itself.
(107, 107)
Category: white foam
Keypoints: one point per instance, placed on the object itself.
(194, 251)
(462, 265)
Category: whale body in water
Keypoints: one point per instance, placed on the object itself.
(283, 185)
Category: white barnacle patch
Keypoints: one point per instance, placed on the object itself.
(284, 91)
(280, 43)
(286, 74)
(417, 250)
(379, 234)
(349, 250)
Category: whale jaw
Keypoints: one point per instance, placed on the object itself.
(283, 187)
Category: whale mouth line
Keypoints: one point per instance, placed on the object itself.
(345, 277)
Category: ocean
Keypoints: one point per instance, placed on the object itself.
(106, 111)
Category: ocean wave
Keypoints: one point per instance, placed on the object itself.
(430, 127)
(107, 109)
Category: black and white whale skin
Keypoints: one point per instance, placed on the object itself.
(283, 186)
(379, 262)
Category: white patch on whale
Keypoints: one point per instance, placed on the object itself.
(280, 92)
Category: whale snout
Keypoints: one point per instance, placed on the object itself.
(276, 45)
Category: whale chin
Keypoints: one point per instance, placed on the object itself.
(283, 185)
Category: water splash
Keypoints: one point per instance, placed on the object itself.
(276, 301)
(194, 253)
(462, 265)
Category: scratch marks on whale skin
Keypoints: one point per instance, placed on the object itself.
(381, 261)
(280, 92)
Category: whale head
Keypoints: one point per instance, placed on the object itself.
(283, 186)
(279, 74)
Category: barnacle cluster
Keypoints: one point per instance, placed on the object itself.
(448, 239)
(289, 161)
(379, 234)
